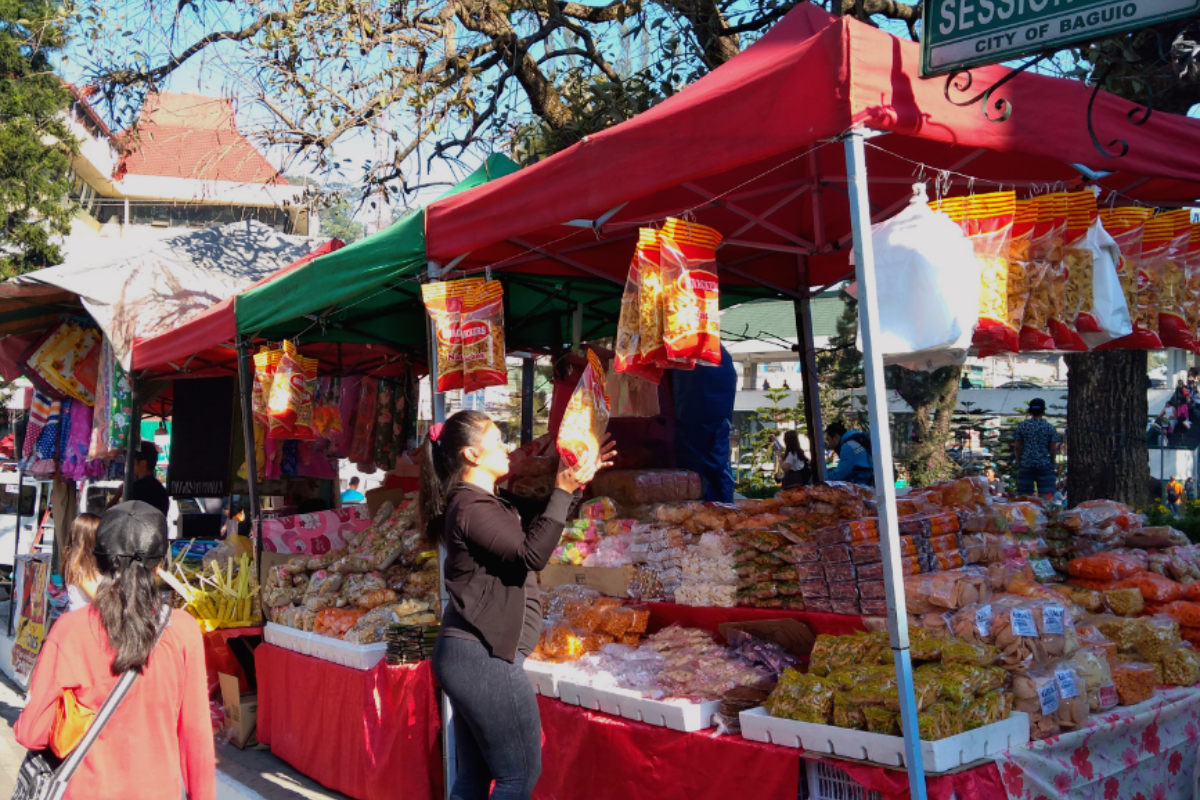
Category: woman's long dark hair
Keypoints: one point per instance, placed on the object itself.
(80, 564)
(442, 466)
(130, 607)
(791, 444)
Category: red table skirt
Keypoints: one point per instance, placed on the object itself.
(980, 783)
(664, 614)
(592, 756)
(219, 658)
(370, 734)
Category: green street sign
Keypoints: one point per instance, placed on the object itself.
(963, 33)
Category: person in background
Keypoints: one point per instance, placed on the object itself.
(494, 615)
(796, 469)
(703, 420)
(146, 487)
(1035, 444)
(1174, 494)
(80, 574)
(352, 494)
(1189, 490)
(159, 743)
(995, 485)
(853, 449)
(1060, 494)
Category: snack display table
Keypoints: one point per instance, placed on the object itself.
(709, 618)
(370, 734)
(219, 657)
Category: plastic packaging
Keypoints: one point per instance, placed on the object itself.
(1139, 286)
(1047, 275)
(1181, 665)
(1124, 602)
(481, 332)
(1154, 588)
(1015, 632)
(336, 622)
(805, 698)
(1036, 693)
(1185, 612)
(936, 297)
(691, 326)
(1095, 671)
(1073, 706)
(1104, 566)
(444, 301)
(586, 418)
(1056, 628)
(629, 331)
(946, 590)
(1134, 681)
(1156, 635)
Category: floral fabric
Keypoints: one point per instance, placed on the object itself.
(1143, 752)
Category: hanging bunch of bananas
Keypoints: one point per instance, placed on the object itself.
(223, 597)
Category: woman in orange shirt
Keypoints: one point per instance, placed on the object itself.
(159, 743)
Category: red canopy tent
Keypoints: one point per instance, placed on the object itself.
(748, 150)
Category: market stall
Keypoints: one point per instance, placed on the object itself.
(783, 204)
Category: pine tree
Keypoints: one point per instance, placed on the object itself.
(35, 142)
(840, 371)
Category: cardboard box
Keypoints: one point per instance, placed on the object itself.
(612, 581)
(792, 635)
(241, 711)
(377, 497)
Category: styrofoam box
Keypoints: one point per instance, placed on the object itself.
(940, 756)
(358, 656)
(288, 638)
(544, 676)
(678, 715)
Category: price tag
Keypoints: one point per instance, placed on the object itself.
(1052, 620)
(1066, 683)
(1048, 697)
(1108, 696)
(10, 489)
(983, 620)
(1022, 623)
(1042, 568)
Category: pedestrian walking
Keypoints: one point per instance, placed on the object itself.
(80, 574)
(159, 743)
(1189, 490)
(1035, 443)
(494, 616)
(796, 469)
(1174, 494)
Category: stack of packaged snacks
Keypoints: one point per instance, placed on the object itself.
(579, 621)
(709, 577)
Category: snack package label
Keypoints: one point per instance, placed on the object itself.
(983, 620)
(1108, 696)
(1042, 568)
(1022, 623)
(1052, 620)
(1047, 696)
(1066, 683)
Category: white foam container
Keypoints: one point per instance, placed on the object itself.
(544, 676)
(678, 715)
(358, 656)
(288, 638)
(940, 756)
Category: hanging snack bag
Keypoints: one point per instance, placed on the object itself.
(1173, 327)
(651, 304)
(482, 337)
(1191, 269)
(987, 220)
(265, 362)
(1127, 227)
(1021, 269)
(444, 302)
(1044, 272)
(363, 445)
(692, 328)
(289, 407)
(629, 326)
(1074, 310)
(586, 418)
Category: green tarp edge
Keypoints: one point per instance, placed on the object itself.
(354, 272)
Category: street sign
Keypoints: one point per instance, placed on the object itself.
(964, 33)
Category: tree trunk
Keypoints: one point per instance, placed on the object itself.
(928, 393)
(1106, 427)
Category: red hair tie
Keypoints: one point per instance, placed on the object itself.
(435, 431)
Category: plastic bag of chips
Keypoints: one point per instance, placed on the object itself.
(1047, 277)
(481, 332)
(1127, 226)
(629, 323)
(692, 326)
(289, 405)
(586, 418)
(444, 301)
(1173, 294)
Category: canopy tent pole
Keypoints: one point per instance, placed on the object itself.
(20, 426)
(438, 411)
(808, 379)
(527, 377)
(135, 433)
(881, 447)
(246, 392)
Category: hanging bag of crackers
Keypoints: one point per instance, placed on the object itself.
(987, 220)
(1044, 270)
(1191, 269)
(1173, 227)
(692, 324)
(482, 336)
(444, 301)
(289, 407)
(265, 362)
(583, 424)
(1073, 305)
(629, 324)
(1127, 227)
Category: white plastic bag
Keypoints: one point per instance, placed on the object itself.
(928, 283)
(1112, 312)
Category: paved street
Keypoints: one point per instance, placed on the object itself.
(241, 774)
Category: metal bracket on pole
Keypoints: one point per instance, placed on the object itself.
(881, 446)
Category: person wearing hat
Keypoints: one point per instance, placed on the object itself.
(159, 743)
(145, 485)
(1035, 444)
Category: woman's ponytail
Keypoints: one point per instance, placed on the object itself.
(442, 466)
